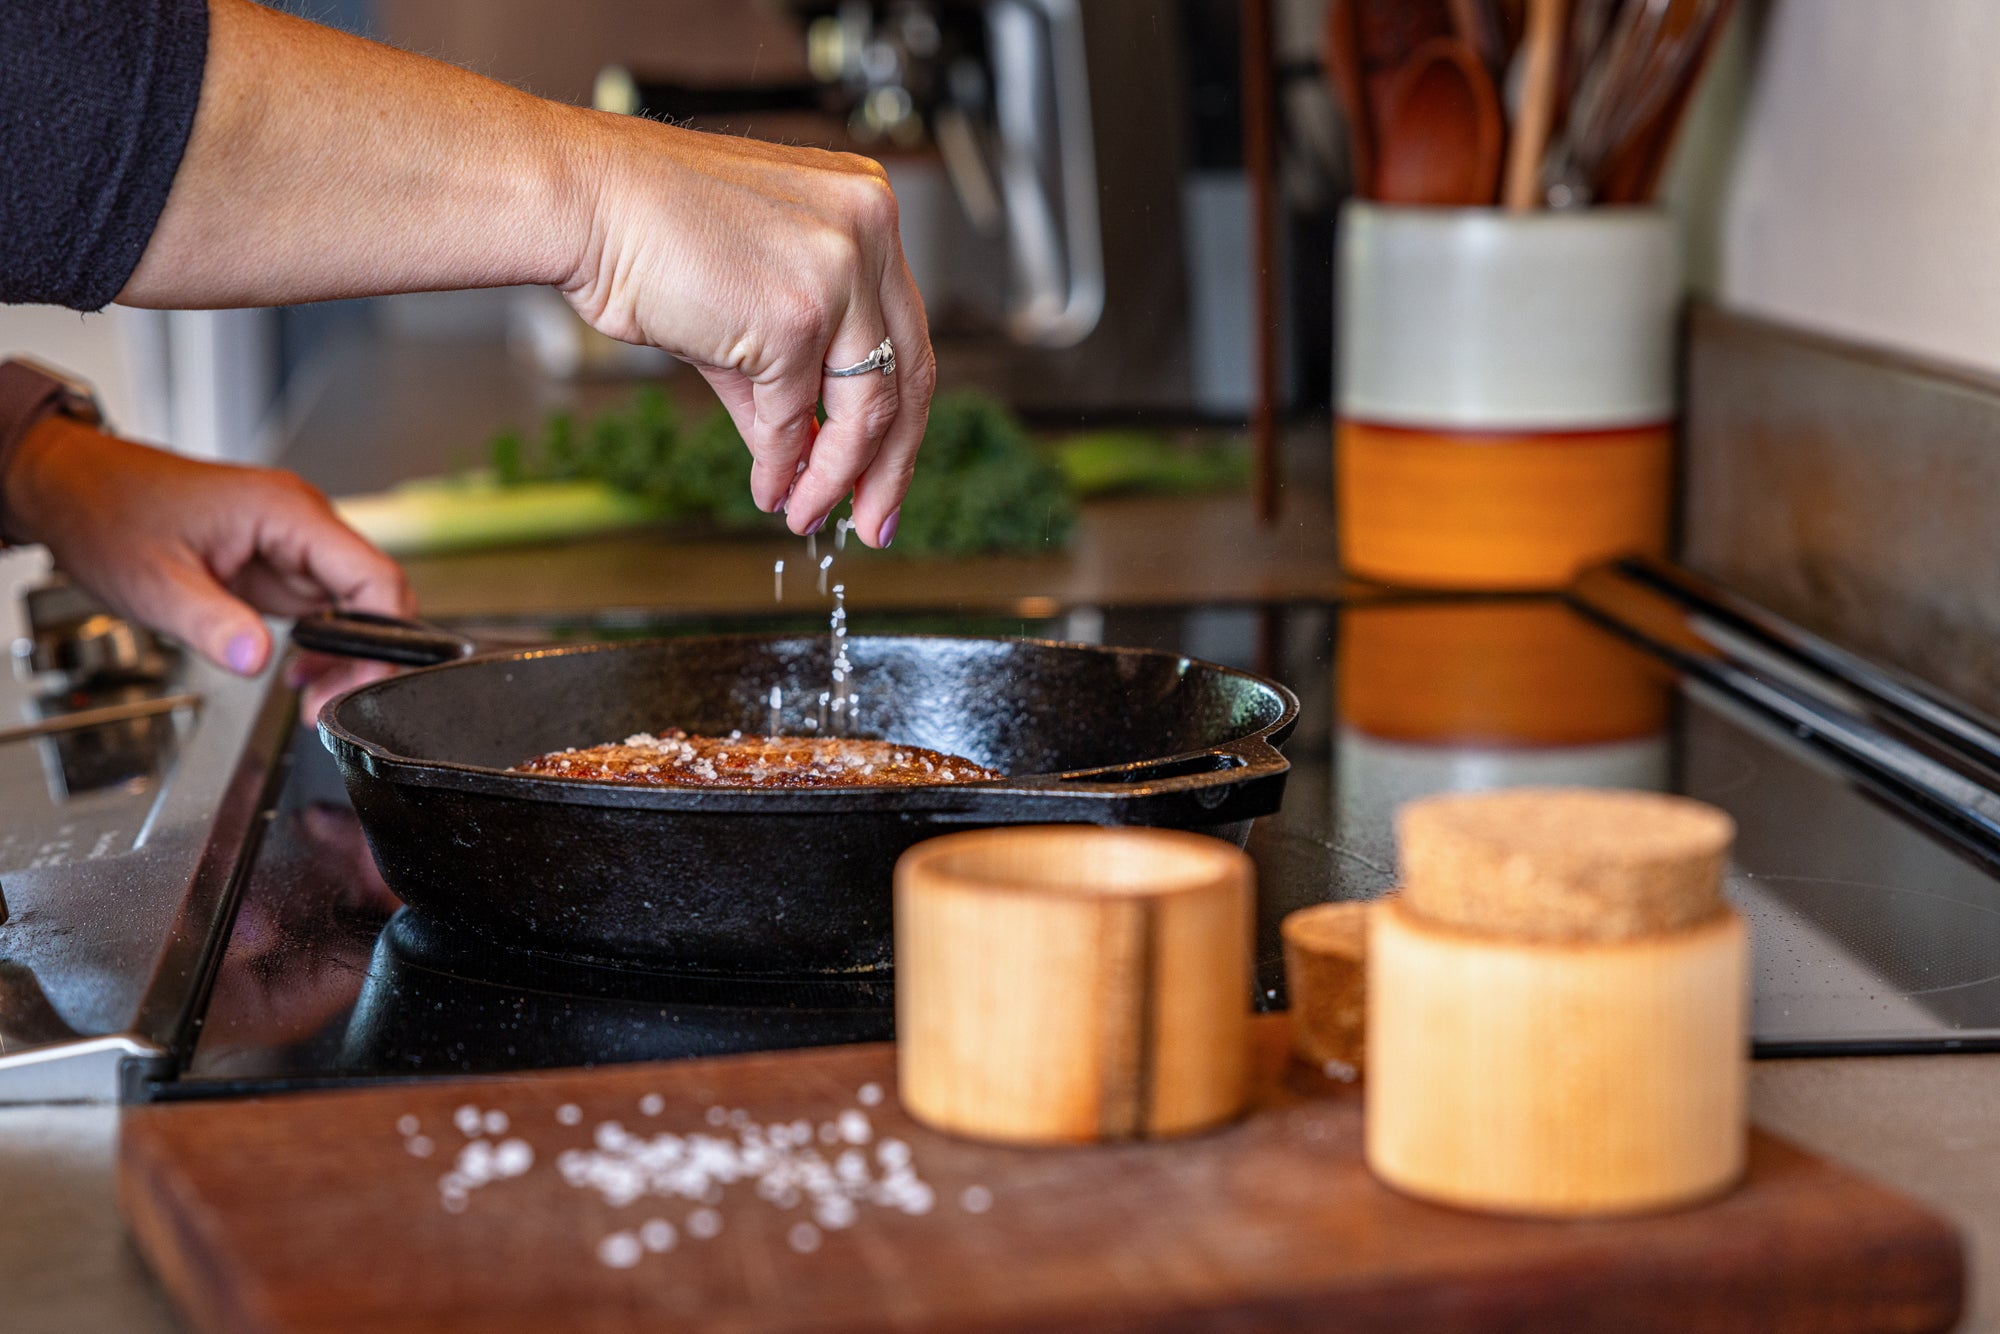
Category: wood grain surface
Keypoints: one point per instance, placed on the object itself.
(309, 1213)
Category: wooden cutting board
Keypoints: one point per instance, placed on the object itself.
(314, 1211)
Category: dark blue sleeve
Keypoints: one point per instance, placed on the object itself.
(96, 101)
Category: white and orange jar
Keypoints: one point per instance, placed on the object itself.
(1506, 392)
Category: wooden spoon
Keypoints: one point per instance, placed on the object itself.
(1440, 143)
(1541, 55)
(1341, 54)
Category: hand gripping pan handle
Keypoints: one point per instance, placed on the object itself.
(361, 634)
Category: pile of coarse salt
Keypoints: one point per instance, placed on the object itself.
(485, 1158)
(829, 1170)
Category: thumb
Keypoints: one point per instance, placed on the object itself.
(206, 617)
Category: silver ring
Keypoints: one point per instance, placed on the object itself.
(882, 359)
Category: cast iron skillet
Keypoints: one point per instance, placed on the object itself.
(745, 880)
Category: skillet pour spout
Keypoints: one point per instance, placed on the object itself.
(784, 882)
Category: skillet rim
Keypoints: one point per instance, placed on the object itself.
(1253, 755)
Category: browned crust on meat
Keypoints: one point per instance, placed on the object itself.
(672, 758)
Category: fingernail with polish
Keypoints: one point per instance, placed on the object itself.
(816, 527)
(888, 533)
(242, 654)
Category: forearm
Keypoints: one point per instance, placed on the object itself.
(322, 165)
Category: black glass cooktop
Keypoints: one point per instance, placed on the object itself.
(1876, 917)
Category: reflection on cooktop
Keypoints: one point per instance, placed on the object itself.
(1869, 933)
(436, 999)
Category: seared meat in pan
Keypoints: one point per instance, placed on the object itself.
(674, 759)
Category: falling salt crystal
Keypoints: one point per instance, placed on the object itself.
(496, 1123)
(512, 1158)
(812, 549)
(717, 1115)
(854, 1127)
(739, 1118)
(804, 1238)
(657, 1235)
(825, 564)
(834, 1212)
(466, 1119)
(975, 1199)
(892, 1153)
(420, 1146)
(704, 1223)
(918, 1199)
(569, 1114)
(620, 1250)
(407, 1126)
(870, 1095)
(1341, 1071)
(841, 528)
(778, 582)
(652, 1104)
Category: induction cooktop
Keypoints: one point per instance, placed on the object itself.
(1867, 861)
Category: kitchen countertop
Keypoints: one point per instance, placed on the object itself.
(1923, 1124)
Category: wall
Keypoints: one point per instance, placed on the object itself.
(1864, 199)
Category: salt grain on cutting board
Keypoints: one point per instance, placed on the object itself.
(781, 1161)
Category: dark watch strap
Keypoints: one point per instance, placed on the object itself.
(28, 393)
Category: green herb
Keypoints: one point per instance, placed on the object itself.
(980, 485)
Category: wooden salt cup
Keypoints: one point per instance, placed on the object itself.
(1066, 984)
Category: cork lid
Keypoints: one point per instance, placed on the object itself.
(1563, 863)
(1338, 929)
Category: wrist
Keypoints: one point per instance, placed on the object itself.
(36, 452)
(31, 395)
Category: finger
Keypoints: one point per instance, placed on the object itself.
(309, 544)
(279, 592)
(859, 412)
(320, 680)
(737, 394)
(184, 600)
(782, 431)
(878, 495)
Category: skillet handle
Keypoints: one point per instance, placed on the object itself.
(362, 634)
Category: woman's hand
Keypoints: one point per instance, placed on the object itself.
(197, 550)
(321, 165)
(761, 265)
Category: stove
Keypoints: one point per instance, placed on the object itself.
(212, 922)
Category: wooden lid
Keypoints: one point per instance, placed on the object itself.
(1563, 863)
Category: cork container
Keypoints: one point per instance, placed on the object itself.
(1558, 1006)
(1326, 979)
